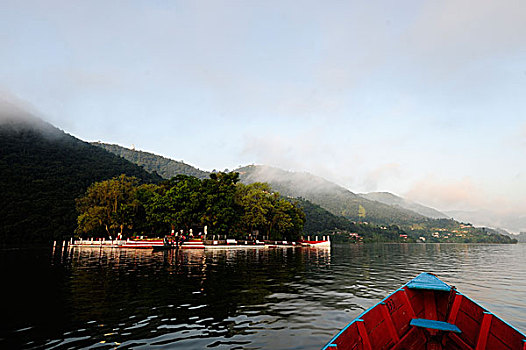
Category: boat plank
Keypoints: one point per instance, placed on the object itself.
(364, 335)
(389, 321)
(349, 338)
(402, 314)
(469, 319)
(414, 339)
(484, 331)
(456, 343)
(430, 305)
(502, 333)
(413, 302)
(374, 322)
(454, 309)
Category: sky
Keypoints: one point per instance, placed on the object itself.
(424, 99)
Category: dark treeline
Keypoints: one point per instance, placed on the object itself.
(166, 168)
(122, 206)
(42, 171)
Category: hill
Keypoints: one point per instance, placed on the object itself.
(336, 199)
(320, 221)
(393, 200)
(153, 163)
(42, 171)
(330, 208)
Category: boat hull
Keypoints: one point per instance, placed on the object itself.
(193, 244)
(426, 313)
(320, 244)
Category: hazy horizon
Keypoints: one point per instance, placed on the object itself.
(424, 100)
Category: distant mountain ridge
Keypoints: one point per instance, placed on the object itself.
(394, 200)
(153, 163)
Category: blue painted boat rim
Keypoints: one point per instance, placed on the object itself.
(330, 344)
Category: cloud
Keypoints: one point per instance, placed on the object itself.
(13, 108)
(312, 149)
(447, 194)
(381, 175)
(454, 32)
(466, 194)
(522, 135)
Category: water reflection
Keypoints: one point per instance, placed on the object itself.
(286, 298)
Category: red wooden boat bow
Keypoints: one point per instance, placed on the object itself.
(427, 313)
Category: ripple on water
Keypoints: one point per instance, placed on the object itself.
(255, 299)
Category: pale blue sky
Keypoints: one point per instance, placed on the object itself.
(425, 99)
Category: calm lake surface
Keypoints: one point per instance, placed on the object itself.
(292, 298)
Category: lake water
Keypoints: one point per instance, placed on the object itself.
(292, 298)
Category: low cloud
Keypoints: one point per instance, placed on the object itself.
(16, 114)
(467, 195)
(14, 109)
(522, 136)
(381, 175)
(461, 194)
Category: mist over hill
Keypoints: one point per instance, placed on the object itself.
(330, 196)
(42, 171)
(393, 200)
(513, 223)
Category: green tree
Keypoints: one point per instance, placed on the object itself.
(221, 212)
(108, 206)
(255, 202)
(361, 211)
(175, 204)
(148, 219)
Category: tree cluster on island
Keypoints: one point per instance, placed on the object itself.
(122, 206)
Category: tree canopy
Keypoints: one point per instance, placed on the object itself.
(122, 206)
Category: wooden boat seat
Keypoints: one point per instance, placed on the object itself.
(436, 325)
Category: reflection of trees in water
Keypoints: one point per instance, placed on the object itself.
(118, 288)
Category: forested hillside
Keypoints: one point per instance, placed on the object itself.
(334, 198)
(42, 171)
(165, 167)
(321, 221)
